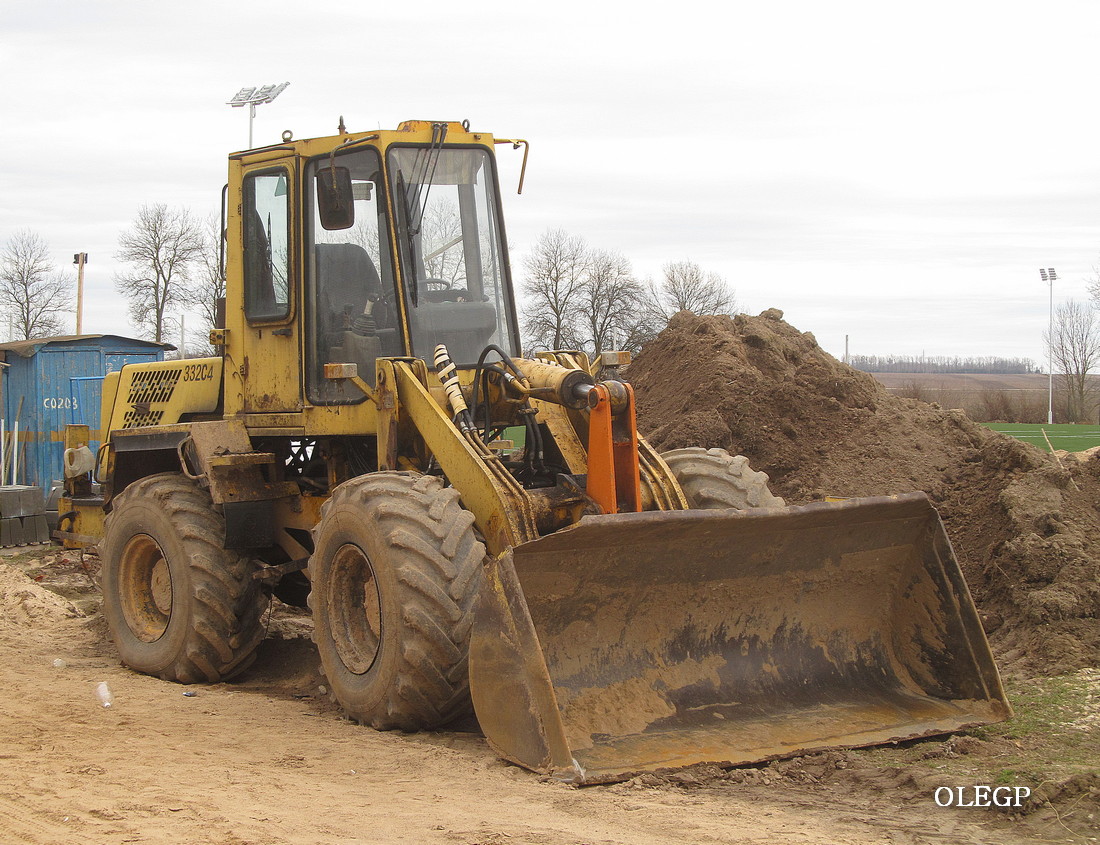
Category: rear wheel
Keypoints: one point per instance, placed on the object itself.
(396, 573)
(177, 604)
(713, 478)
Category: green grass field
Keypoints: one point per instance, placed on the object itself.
(1071, 438)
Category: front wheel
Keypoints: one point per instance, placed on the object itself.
(396, 573)
(177, 604)
(713, 478)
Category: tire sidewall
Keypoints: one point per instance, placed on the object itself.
(145, 517)
(360, 694)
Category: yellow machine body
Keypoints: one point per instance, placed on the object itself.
(615, 628)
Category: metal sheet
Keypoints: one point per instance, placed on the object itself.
(57, 381)
(642, 642)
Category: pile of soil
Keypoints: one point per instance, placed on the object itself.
(23, 602)
(1025, 525)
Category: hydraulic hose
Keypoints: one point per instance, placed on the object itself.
(448, 375)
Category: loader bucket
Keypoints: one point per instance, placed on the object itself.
(644, 642)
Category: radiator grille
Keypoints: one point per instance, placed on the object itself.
(135, 418)
(148, 388)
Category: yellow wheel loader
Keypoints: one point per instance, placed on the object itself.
(472, 528)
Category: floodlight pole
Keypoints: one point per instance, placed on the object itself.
(1049, 276)
(80, 259)
(253, 97)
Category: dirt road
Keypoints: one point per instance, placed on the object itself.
(269, 760)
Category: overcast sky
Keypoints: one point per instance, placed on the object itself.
(896, 172)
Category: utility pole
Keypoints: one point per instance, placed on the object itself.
(1050, 277)
(80, 259)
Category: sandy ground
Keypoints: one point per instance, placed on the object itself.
(269, 760)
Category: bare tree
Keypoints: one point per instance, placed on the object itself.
(206, 283)
(555, 276)
(441, 233)
(1093, 286)
(579, 298)
(686, 287)
(613, 313)
(1075, 347)
(160, 248)
(36, 297)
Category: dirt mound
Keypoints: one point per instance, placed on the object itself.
(1026, 528)
(24, 603)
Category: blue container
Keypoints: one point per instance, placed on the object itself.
(59, 381)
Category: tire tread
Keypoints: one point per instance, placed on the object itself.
(436, 561)
(713, 478)
(227, 604)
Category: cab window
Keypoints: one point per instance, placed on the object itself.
(352, 308)
(266, 225)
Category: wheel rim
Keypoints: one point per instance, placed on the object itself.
(145, 588)
(355, 609)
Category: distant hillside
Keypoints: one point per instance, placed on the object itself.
(965, 381)
(986, 397)
(987, 364)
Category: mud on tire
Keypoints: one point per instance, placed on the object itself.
(396, 574)
(178, 605)
(713, 478)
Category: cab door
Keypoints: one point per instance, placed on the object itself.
(268, 369)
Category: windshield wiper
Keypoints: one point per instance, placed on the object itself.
(403, 215)
(415, 194)
(423, 172)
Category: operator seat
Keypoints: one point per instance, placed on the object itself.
(346, 277)
(346, 281)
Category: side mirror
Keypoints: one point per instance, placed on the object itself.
(335, 204)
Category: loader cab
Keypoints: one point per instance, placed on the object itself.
(404, 249)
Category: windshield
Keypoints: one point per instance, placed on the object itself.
(451, 250)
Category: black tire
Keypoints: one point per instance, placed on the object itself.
(713, 478)
(178, 605)
(396, 573)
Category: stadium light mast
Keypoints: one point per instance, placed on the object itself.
(1050, 277)
(253, 97)
(80, 259)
